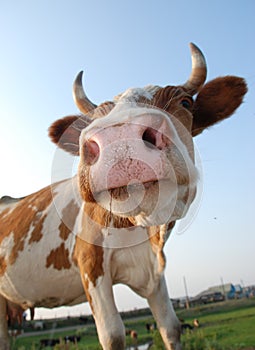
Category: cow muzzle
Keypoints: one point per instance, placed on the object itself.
(136, 164)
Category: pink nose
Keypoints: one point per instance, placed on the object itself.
(129, 152)
(151, 137)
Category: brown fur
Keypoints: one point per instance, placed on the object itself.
(3, 265)
(59, 258)
(89, 258)
(69, 215)
(66, 132)
(217, 101)
(85, 190)
(103, 109)
(21, 218)
(157, 242)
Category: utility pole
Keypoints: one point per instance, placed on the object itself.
(223, 288)
(186, 292)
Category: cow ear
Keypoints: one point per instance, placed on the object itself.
(217, 101)
(66, 132)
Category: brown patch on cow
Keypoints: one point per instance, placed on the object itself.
(3, 265)
(69, 215)
(157, 244)
(170, 99)
(103, 109)
(28, 213)
(85, 283)
(89, 258)
(164, 97)
(59, 258)
(88, 255)
(84, 183)
(36, 234)
(153, 234)
(158, 236)
(64, 231)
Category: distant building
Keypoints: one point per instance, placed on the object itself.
(249, 291)
(214, 294)
(220, 292)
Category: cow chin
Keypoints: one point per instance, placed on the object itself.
(148, 204)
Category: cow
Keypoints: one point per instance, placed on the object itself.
(73, 240)
(48, 342)
(72, 339)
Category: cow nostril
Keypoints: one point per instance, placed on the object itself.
(149, 137)
(154, 138)
(90, 152)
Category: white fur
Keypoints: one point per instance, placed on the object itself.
(134, 94)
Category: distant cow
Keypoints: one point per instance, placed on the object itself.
(73, 240)
(196, 323)
(72, 339)
(150, 327)
(186, 326)
(39, 325)
(48, 342)
(134, 334)
(15, 332)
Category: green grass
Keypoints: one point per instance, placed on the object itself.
(224, 326)
(230, 324)
(89, 340)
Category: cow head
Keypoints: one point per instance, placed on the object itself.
(136, 153)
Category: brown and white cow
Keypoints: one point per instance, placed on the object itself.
(72, 241)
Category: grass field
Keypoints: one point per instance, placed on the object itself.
(228, 325)
(224, 326)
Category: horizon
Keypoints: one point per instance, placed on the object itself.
(69, 311)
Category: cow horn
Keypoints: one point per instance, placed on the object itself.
(198, 73)
(80, 98)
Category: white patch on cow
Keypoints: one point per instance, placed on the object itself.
(32, 207)
(123, 237)
(123, 112)
(136, 266)
(6, 246)
(152, 89)
(134, 94)
(9, 206)
(108, 321)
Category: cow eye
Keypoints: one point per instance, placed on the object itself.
(186, 103)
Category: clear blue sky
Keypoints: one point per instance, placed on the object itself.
(45, 43)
